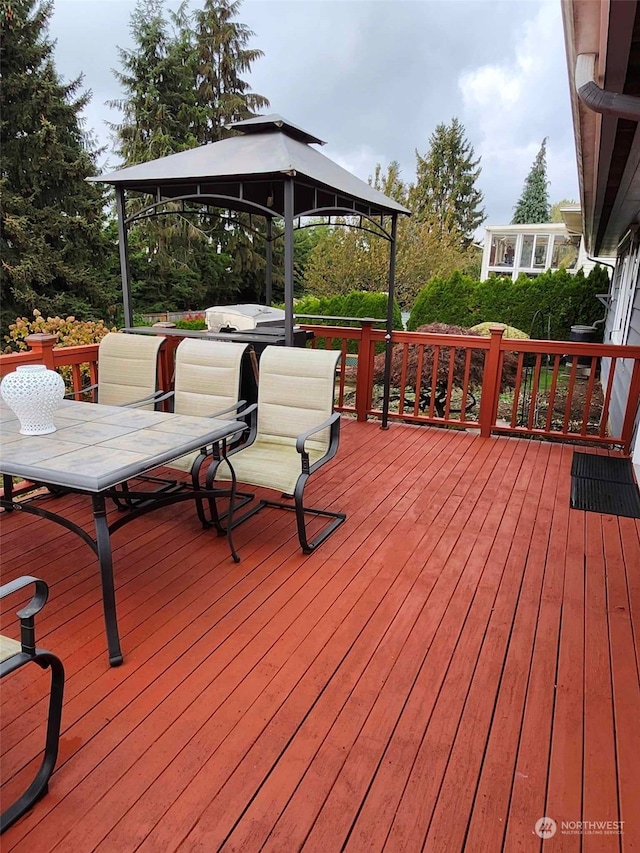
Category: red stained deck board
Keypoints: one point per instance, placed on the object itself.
(353, 774)
(320, 671)
(600, 795)
(323, 553)
(320, 701)
(519, 599)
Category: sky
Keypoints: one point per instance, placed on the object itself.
(375, 77)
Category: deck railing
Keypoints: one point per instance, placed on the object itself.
(548, 389)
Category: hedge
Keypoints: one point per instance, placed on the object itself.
(544, 307)
(357, 303)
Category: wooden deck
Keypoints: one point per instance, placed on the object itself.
(458, 660)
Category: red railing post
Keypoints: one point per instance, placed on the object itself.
(632, 408)
(42, 345)
(490, 383)
(363, 371)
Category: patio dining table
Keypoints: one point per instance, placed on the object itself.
(96, 448)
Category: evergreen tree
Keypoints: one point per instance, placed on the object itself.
(157, 77)
(221, 56)
(445, 191)
(51, 222)
(182, 82)
(533, 205)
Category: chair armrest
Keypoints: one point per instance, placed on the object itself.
(73, 394)
(233, 408)
(334, 440)
(301, 439)
(156, 397)
(252, 412)
(27, 613)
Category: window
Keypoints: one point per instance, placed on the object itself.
(527, 250)
(624, 285)
(564, 254)
(540, 251)
(503, 250)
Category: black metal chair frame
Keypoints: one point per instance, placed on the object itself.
(306, 470)
(31, 654)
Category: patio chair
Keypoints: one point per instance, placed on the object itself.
(206, 384)
(15, 654)
(294, 434)
(128, 370)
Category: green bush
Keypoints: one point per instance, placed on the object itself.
(196, 323)
(445, 300)
(69, 332)
(357, 303)
(543, 307)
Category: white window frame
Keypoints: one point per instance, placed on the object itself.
(624, 294)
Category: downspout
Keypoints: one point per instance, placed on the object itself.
(597, 99)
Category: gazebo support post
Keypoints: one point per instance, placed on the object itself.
(288, 261)
(268, 298)
(123, 248)
(389, 332)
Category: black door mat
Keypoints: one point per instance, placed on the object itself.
(605, 497)
(611, 468)
(604, 484)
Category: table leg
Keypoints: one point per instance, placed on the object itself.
(103, 543)
(7, 488)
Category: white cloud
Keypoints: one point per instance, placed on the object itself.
(512, 105)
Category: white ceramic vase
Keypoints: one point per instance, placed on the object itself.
(34, 393)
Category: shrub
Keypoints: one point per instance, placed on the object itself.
(195, 323)
(507, 331)
(444, 358)
(445, 300)
(545, 306)
(357, 303)
(68, 331)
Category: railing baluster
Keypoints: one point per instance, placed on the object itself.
(343, 371)
(534, 390)
(587, 402)
(465, 383)
(76, 378)
(403, 378)
(552, 392)
(452, 364)
(604, 417)
(572, 382)
(418, 388)
(516, 394)
(434, 378)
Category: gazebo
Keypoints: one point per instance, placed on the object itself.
(269, 169)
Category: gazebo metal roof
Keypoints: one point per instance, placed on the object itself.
(269, 169)
(269, 149)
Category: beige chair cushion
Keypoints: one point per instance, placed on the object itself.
(127, 368)
(272, 463)
(207, 376)
(207, 380)
(295, 394)
(8, 648)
